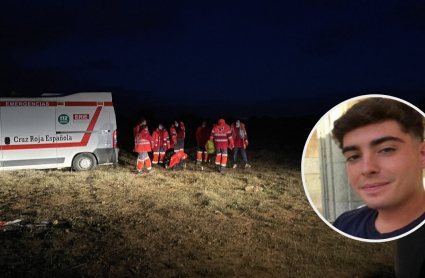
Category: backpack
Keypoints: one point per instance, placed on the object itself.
(209, 147)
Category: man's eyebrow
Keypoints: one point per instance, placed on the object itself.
(373, 143)
(385, 139)
(350, 148)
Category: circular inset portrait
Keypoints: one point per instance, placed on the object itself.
(363, 168)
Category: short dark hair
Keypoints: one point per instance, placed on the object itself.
(378, 110)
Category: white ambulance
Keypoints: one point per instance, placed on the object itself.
(77, 131)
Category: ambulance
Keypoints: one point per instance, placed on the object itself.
(53, 131)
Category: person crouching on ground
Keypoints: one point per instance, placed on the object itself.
(202, 135)
(142, 145)
(240, 138)
(161, 143)
(222, 136)
(175, 162)
(178, 134)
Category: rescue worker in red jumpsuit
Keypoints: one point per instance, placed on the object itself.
(240, 138)
(142, 145)
(176, 161)
(178, 134)
(222, 136)
(202, 135)
(161, 143)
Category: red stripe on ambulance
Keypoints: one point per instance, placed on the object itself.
(82, 143)
(81, 103)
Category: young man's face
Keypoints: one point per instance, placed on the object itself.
(384, 164)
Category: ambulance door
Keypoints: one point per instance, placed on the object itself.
(78, 124)
(105, 139)
(28, 136)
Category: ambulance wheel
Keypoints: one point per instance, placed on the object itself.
(84, 162)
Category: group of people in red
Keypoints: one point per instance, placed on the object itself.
(224, 136)
(159, 142)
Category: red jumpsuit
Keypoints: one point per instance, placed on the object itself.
(176, 158)
(222, 136)
(177, 137)
(161, 143)
(142, 145)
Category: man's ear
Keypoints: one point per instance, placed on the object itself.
(422, 154)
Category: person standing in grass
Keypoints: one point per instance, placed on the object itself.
(142, 145)
(240, 138)
(178, 133)
(222, 136)
(202, 134)
(161, 143)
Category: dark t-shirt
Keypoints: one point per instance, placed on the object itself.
(361, 223)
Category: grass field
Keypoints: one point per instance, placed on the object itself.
(193, 223)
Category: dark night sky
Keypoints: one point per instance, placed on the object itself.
(214, 58)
